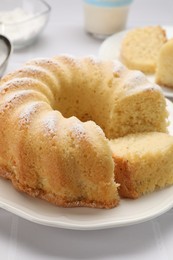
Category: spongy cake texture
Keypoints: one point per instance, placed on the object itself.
(141, 46)
(164, 72)
(143, 163)
(50, 148)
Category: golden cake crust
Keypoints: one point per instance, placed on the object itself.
(53, 198)
(56, 115)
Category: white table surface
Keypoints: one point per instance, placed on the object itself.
(21, 239)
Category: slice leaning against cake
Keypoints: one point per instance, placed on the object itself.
(164, 72)
(144, 163)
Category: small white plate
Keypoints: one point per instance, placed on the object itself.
(110, 49)
(127, 213)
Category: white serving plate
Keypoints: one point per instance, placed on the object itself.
(127, 213)
(110, 49)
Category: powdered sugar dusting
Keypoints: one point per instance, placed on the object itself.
(29, 110)
(33, 69)
(135, 78)
(100, 131)
(16, 95)
(37, 61)
(66, 56)
(78, 129)
(18, 82)
(94, 59)
(118, 67)
(50, 123)
(136, 81)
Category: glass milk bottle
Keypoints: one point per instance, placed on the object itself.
(105, 17)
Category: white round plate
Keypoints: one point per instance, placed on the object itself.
(110, 49)
(127, 213)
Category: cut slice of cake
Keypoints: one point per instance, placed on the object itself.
(164, 72)
(141, 46)
(144, 163)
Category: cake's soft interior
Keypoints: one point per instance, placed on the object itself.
(164, 72)
(141, 46)
(141, 153)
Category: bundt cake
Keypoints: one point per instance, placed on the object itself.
(50, 148)
(144, 163)
(141, 46)
(164, 72)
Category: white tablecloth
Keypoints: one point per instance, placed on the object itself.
(21, 239)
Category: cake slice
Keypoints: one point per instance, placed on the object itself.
(144, 163)
(164, 72)
(141, 46)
